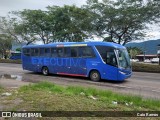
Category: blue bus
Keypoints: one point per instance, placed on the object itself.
(15, 56)
(96, 60)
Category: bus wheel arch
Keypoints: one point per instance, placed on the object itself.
(45, 70)
(94, 75)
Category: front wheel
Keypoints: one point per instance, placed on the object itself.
(45, 71)
(95, 76)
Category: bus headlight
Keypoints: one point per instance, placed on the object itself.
(122, 72)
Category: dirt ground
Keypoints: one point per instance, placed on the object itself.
(10, 83)
(141, 84)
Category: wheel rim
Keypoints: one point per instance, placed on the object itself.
(95, 75)
(45, 71)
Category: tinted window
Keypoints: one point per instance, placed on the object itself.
(47, 52)
(34, 51)
(74, 52)
(107, 54)
(53, 52)
(41, 52)
(111, 58)
(59, 52)
(86, 52)
(67, 52)
(44, 52)
(16, 54)
(26, 52)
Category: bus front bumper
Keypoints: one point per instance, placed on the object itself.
(122, 75)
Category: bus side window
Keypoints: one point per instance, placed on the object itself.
(59, 52)
(53, 52)
(47, 52)
(86, 52)
(74, 52)
(32, 51)
(41, 52)
(26, 52)
(36, 52)
(67, 52)
(111, 58)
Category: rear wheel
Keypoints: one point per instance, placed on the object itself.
(95, 76)
(45, 71)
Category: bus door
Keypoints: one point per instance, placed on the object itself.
(111, 65)
(108, 56)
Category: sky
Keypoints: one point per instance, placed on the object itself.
(12, 5)
(16, 5)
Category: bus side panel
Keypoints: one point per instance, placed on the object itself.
(70, 66)
(94, 63)
(60, 66)
(110, 72)
(39, 62)
(27, 63)
(107, 72)
(78, 66)
(32, 63)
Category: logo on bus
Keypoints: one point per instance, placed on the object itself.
(59, 62)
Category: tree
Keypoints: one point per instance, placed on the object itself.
(57, 24)
(69, 23)
(16, 30)
(133, 51)
(6, 45)
(122, 21)
(36, 22)
(18, 49)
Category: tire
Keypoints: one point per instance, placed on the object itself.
(95, 76)
(45, 71)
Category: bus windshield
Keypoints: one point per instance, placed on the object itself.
(123, 58)
(109, 56)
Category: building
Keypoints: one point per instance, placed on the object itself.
(142, 57)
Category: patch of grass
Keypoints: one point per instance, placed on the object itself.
(1, 89)
(10, 61)
(46, 96)
(77, 93)
(140, 67)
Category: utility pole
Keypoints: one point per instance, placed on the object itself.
(158, 52)
(144, 51)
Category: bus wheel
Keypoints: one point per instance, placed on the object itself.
(95, 76)
(45, 71)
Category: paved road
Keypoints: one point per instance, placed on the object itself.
(143, 84)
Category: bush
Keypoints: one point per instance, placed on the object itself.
(10, 61)
(140, 67)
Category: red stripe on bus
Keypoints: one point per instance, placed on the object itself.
(72, 74)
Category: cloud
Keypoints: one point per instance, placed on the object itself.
(14, 5)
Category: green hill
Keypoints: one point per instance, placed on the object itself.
(149, 46)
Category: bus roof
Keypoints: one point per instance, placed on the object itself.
(69, 44)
